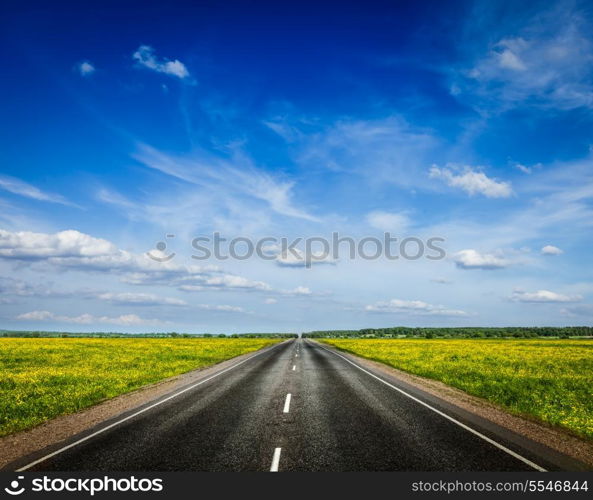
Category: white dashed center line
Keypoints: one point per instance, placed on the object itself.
(293, 367)
(276, 460)
(287, 403)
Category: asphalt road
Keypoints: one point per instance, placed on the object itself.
(338, 417)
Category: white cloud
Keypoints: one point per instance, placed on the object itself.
(221, 307)
(547, 63)
(85, 68)
(87, 319)
(28, 245)
(78, 251)
(142, 271)
(298, 258)
(141, 299)
(17, 186)
(472, 259)
(232, 281)
(299, 290)
(146, 57)
(198, 280)
(11, 287)
(551, 250)
(508, 59)
(72, 249)
(388, 221)
(472, 182)
(36, 316)
(541, 296)
(413, 308)
(289, 259)
(271, 250)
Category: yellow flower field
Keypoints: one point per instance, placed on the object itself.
(551, 380)
(43, 378)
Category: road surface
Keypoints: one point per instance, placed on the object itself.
(296, 407)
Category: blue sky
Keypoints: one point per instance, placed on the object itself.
(469, 121)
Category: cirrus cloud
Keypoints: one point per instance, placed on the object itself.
(22, 188)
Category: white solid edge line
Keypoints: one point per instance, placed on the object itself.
(276, 460)
(451, 419)
(287, 403)
(110, 426)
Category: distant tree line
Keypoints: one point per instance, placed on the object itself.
(160, 335)
(462, 332)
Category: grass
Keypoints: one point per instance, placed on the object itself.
(548, 380)
(43, 378)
